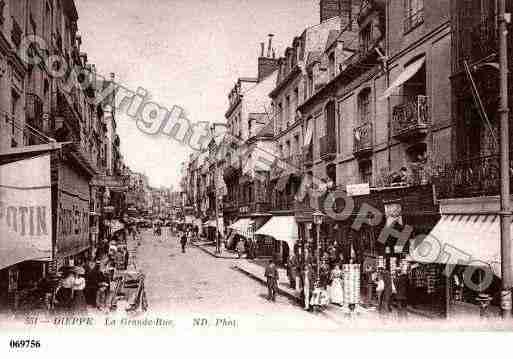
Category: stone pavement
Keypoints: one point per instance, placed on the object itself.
(332, 311)
(210, 248)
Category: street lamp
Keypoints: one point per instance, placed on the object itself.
(318, 218)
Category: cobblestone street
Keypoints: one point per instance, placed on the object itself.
(196, 283)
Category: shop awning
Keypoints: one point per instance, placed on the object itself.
(309, 134)
(475, 235)
(281, 228)
(407, 74)
(282, 182)
(243, 227)
(12, 256)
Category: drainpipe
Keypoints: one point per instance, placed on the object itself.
(505, 213)
(387, 82)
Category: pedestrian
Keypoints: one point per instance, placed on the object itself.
(384, 290)
(292, 270)
(183, 241)
(336, 289)
(79, 304)
(64, 292)
(240, 248)
(401, 285)
(91, 287)
(272, 276)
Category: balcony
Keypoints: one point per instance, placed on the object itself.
(411, 119)
(362, 140)
(484, 39)
(283, 203)
(328, 147)
(469, 178)
(294, 164)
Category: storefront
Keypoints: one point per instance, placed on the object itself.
(282, 231)
(351, 235)
(26, 229)
(468, 238)
(71, 204)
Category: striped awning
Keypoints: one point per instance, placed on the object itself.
(243, 227)
(281, 228)
(472, 239)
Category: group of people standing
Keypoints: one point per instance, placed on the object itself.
(80, 287)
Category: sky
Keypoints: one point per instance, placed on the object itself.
(187, 53)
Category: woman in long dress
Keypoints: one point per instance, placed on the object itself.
(79, 302)
(336, 288)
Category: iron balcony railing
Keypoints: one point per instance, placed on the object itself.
(411, 116)
(362, 138)
(283, 203)
(473, 177)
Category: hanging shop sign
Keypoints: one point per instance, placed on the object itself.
(359, 189)
(25, 211)
(113, 183)
(393, 213)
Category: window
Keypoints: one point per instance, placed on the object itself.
(14, 111)
(414, 14)
(364, 106)
(310, 83)
(365, 38)
(280, 117)
(295, 101)
(331, 64)
(287, 110)
(365, 168)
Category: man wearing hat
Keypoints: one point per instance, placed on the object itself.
(93, 279)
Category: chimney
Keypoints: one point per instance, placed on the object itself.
(270, 45)
(267, 64)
